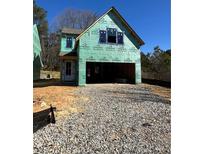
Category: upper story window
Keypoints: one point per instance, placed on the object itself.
(69, 42)
(102, 36)
(120, 38)
(111, 35)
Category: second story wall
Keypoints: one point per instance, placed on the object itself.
(90, 49)
(64, 42)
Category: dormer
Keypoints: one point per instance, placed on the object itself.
(68, 37)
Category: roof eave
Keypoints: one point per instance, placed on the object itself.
(141, 42)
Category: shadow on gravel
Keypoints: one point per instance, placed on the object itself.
(140, 96)
(43, 118)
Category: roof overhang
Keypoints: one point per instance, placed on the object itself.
(71, 31)
(72, 53)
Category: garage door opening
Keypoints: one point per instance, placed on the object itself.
(98, 72)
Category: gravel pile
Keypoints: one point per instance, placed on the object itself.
(119, 118)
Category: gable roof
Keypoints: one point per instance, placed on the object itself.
(134, 34)
(71, 31)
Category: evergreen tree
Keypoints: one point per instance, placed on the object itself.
(39, 18)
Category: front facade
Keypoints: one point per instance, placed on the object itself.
(107, 51)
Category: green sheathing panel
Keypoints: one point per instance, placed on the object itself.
(90, 50)
(37, 63)
(36, 42)
(138, 78)
(63, 43)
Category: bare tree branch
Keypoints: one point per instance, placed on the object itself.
(73, 18)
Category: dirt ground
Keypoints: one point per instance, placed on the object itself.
(61, 97)
(64, 99)
(159, 90)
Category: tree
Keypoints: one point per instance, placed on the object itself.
(157, 62)
(73, 18)
(160, 60)
(168, 52)
(39, 18)
(146, 65)
(52, 48)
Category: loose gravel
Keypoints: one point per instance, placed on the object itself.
(118, 118)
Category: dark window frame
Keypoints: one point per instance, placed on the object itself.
(121, 38)
(106, 41)
(115, 36)
(100, 41)
(71, 42)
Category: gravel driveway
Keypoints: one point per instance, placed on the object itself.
(118, 118)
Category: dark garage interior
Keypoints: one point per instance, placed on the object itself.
(106, 72)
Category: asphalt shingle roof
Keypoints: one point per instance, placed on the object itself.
(71, 31)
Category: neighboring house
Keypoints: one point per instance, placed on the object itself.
(107, 51)
(37, 62)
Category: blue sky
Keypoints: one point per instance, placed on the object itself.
(151, 19)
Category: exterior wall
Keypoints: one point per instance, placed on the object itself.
(64, 59)
(90, 50)
(63, 43)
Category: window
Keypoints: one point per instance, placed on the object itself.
(102, 36)
(68, 68)
(111, 33)
(111, 36)
(120, 38)
(69, 42)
